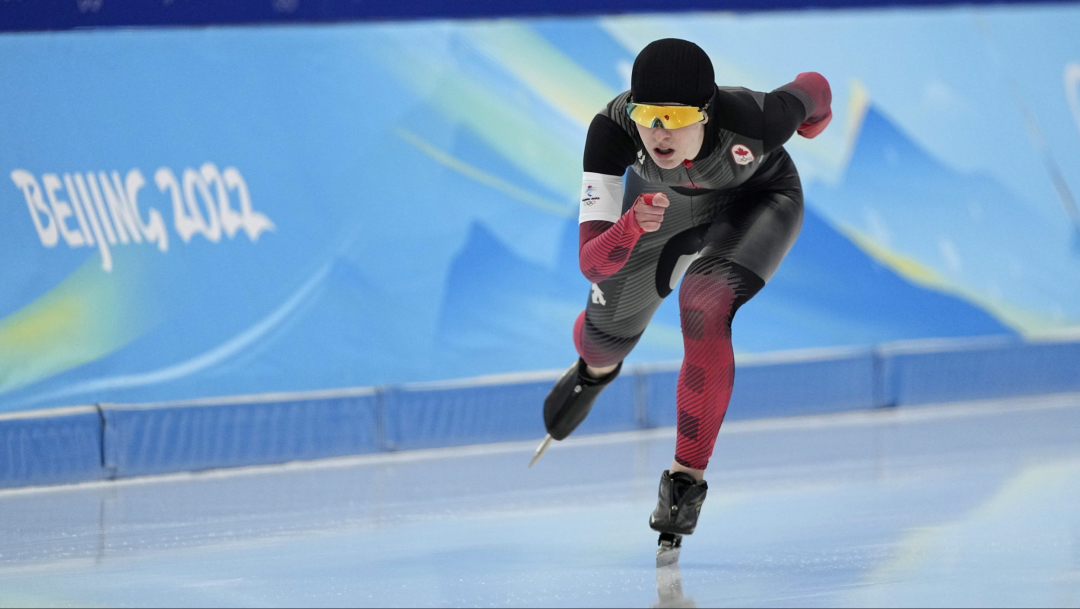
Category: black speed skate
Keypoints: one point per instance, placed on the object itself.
(570, 401)
(676, 513)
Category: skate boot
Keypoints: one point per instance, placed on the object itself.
(676, 513)
(569, 402)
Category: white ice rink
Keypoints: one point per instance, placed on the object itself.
(959, 505)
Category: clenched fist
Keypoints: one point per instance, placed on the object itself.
(649, 211)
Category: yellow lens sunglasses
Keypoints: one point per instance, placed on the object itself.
(666, 117)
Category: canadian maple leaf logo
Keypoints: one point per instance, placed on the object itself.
(742, 154)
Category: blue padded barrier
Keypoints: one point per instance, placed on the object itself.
(432, 415)
(160, 438)
(930, 372)
(50, 447)
(659, 384)
(781, 385)
(836, 381)
(88, 443)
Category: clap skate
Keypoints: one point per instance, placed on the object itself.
(569, 402)
(676, 513)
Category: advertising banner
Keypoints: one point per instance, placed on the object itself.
(201, 212)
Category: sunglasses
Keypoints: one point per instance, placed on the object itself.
(667, 117)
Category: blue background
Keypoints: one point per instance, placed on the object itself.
(422, 181)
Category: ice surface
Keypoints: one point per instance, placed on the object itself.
(944, 506)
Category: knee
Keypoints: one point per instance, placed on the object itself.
(711, 292)
(598, 348)
(706, 299)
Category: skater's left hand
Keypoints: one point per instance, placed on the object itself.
(811, 128)
(816, 86)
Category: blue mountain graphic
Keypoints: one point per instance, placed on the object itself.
(502, 313)
(970, 229)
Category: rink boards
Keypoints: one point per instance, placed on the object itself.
(106, 441)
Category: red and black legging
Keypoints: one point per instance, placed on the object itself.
(725, 245)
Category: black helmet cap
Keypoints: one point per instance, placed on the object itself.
(672, 71)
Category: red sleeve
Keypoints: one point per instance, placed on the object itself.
(604, 247)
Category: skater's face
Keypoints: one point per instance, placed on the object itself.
(669, 147)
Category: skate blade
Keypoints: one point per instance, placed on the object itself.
(665, 557)
(540, 450)
(668, 552)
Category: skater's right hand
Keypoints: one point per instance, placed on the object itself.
(649, 211)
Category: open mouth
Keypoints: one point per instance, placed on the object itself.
(664, 153)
